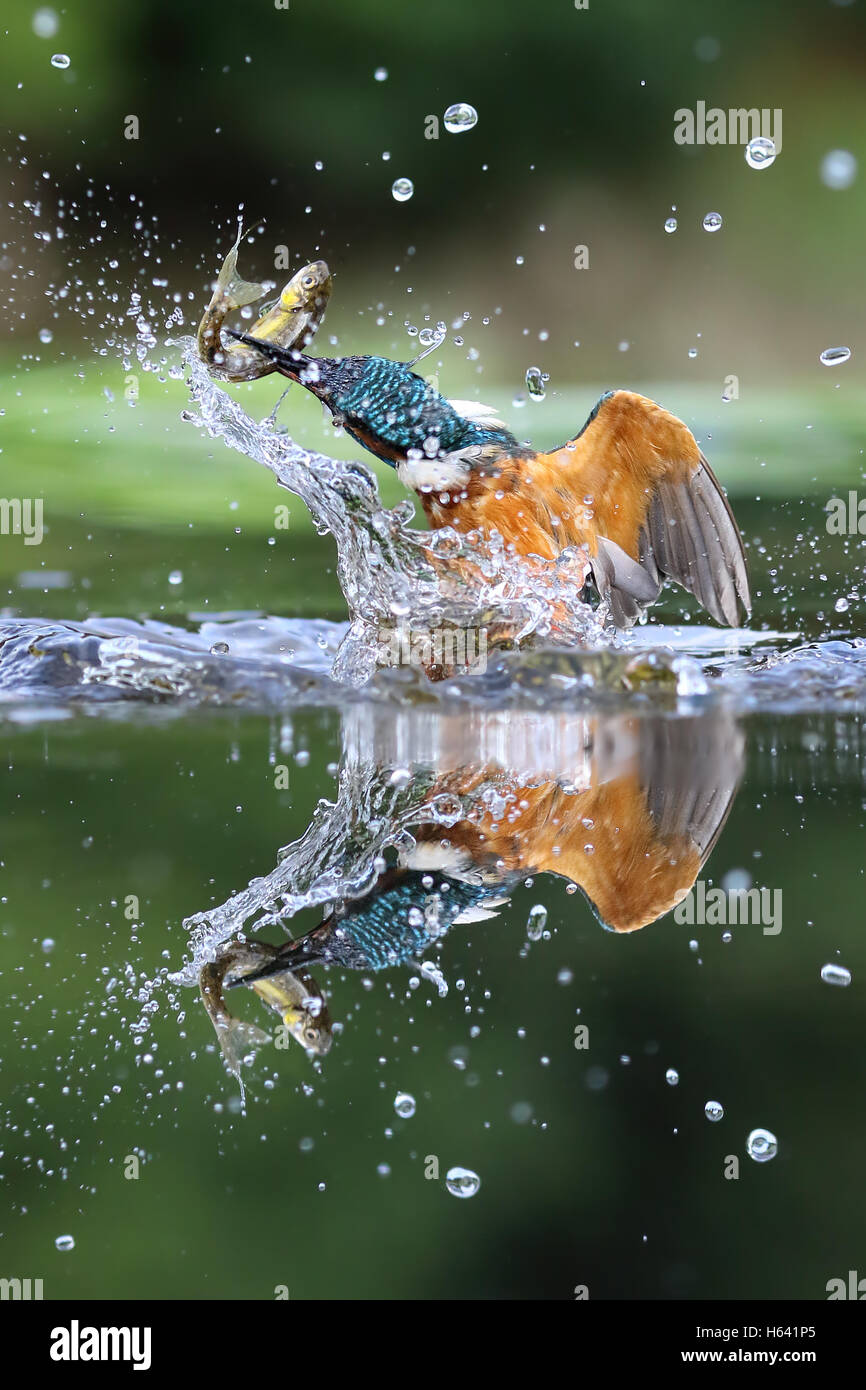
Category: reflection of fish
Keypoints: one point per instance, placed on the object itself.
(632, 486)
(290, 322)
(298, 1000)
(394, 924)
(295, 996)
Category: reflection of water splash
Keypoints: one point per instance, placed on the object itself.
(339, 856)
(389, 572)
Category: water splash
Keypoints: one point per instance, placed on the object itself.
(386, 570)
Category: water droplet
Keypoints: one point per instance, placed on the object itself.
(713, 1110)
(737, 881)
(431, 972)
(432, 337)
(45, 335)
(760, 152)
(835, 975)
(176, 577)
(219, 649)
(60, 60)
(672, 1077)
(838, 169)
(64, 1243)
(693, 352)
(536, 922)
(460, 117)
(404, 1104)
(402, 190)
(834, 357)
(535, 383)
(45, 23)
(712, 222)
(381, 74)
(670, 224)
(462, 1182)
(841, 605)
(707, 48)
(761, 1145)
(48, 945)
(565, 976)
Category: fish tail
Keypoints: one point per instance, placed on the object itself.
(231, 290)
(238, 1041)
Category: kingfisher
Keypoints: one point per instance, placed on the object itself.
(632, 488)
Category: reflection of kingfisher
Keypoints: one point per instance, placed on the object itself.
(394, 924)
(634, 836)
(632, 487)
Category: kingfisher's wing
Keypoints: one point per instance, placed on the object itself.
(657, 510)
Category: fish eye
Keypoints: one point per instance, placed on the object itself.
(308, 281)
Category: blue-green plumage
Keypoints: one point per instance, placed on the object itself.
(394, 924)
(384, 405)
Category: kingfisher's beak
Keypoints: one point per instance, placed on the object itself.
(293, 955)
(289, 360)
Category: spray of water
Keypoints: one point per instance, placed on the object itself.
(391, 574)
